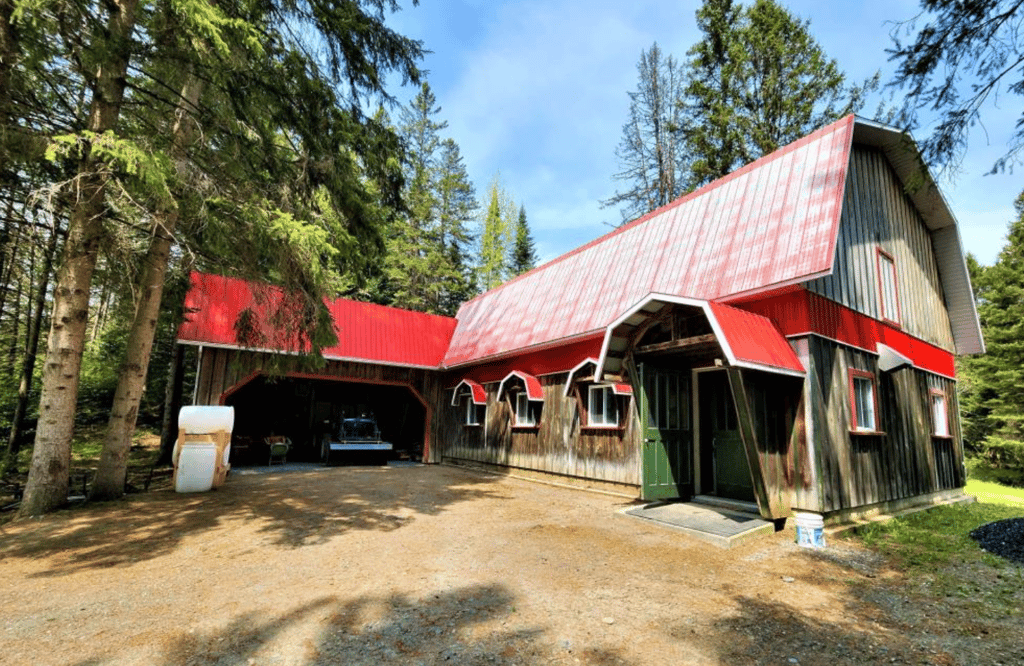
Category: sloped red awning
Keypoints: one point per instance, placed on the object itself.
(751, 340)
(476, 392)
(534, 391)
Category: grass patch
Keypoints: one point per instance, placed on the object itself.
(938, 537)
(995, 493)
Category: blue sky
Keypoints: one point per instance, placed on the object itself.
(536, 90)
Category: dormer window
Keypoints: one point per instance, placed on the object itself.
(525, 397)
(472, 398)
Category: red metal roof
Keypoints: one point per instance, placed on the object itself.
(534, 391)
(754, 340)
(771, 223)
(366, 331)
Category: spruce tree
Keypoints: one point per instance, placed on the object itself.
(756, 81)
(524, 253)
(996, 405)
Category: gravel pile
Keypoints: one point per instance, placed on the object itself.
(1004, 538)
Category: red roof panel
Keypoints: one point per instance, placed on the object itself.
(754, 340)
(366, 331)
(772, 222)
(534, 391)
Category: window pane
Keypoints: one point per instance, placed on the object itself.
(864, 393)
(611, 416)
(940, 417)
(596, 406)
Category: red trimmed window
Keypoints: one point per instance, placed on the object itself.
(940, 413)
(888, 292)
(863, 401)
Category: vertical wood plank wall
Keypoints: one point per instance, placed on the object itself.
(857, 470)
(777, 407)
(220, 369)
(558, 446)
(877, 213)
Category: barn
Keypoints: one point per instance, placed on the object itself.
(784, 336)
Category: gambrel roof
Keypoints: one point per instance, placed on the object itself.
(770, 224)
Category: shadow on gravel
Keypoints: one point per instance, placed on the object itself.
(292, 510)
(471, 625)
(771, 632)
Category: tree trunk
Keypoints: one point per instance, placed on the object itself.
(47, 485)
(28, 364)
(172, 403)
(113, 466)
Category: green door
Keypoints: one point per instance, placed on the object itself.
(665, 422)
(730, 471)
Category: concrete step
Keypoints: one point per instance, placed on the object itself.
(726, 503)
(716, 525)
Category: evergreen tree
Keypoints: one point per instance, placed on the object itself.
(976, 41)
(757, 81)
(284, 180)
(524, 253)
(426, 265)
(457, 207)
(650, 154)
(495, 238)
(994, 404)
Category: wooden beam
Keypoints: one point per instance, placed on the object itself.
(674, 345)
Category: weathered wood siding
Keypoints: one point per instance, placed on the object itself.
(221, 369)
(862, 469)
(774, 411)
(557, 446)
(878, 214)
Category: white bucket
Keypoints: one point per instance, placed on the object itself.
(810, 530)
(197, 463)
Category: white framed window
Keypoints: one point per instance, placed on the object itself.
(474, 412)
(888, 292)
(864, 403)
(602, 407)
(525, 416)
(940, 413)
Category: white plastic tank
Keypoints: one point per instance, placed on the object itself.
(203, 426)
(197, 463)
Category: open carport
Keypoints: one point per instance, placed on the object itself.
(305, 408)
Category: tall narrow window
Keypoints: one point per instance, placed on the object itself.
(474, 412)
(888, 291)
(602, 407)
(524, 415)
(940, 413)
(864, 407)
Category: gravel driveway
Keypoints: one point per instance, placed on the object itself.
(426, 565)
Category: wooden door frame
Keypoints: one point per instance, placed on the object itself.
(695, 411)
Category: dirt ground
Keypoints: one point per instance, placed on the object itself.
(439, 565)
